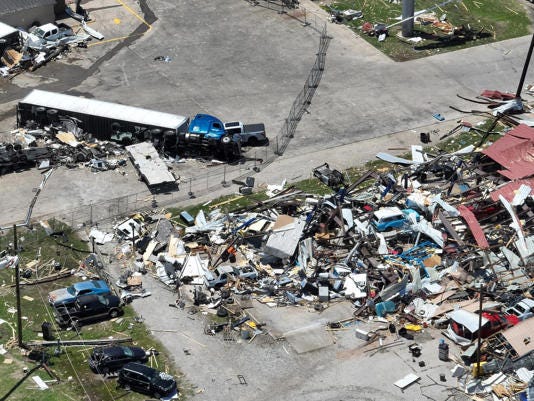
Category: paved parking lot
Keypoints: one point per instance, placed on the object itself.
(242, 62)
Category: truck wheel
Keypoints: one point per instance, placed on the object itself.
(113, 313)
(226, 140)
(157, 396)
(80, 157)
(252, 141)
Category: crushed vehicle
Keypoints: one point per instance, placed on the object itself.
(88, 309)
(523, 309)
(8, 261)
(68, 295)
(220, 276)
(144, 379)
(391, 218)
(463, 327)
(331, 178)
(105, 360)
(48, 35)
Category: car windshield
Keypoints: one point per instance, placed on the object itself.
(39, 32)
(520, 308)
(127, 351)
(71, 290)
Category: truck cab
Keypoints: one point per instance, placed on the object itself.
(49, 34)
(206, 136)
(207, 126)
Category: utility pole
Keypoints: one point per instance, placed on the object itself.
(479, 340)
(17, 289)
(525, 69)
(408, 7)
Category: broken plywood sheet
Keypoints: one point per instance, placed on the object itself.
(67, 138)
(519, 337)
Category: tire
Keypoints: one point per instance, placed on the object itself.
(157, 395)
(253, 141)
(226, 140)
(75, 324)
(80, 157)
(127, 387)
(113, 313)
(51, 115)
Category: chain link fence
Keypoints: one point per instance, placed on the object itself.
(208, 176)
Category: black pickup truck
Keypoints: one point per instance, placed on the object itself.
(87, 309)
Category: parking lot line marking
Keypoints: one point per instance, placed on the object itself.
(131, 11)
(114, 39)
(135, 14)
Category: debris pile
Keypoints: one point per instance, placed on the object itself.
(432, 241)
(60, 142)
(21, 50)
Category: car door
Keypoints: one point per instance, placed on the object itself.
(141, 382)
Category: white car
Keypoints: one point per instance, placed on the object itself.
(523, 309)
(7, 260)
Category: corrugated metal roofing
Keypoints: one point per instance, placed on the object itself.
(12, 6)
(515, 152)
(474, 226)
(508, 191)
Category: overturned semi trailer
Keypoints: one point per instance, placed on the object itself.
(101, 119)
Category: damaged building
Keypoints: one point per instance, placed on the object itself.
(28, 13)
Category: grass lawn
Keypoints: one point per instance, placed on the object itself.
(77, 382)
(482, 22)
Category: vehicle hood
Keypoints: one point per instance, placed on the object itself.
(165, 382)
(59, 296)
